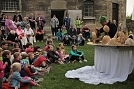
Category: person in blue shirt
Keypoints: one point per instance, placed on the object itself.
(75, 55)
(67, 21)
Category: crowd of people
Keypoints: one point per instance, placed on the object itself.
(21, 61)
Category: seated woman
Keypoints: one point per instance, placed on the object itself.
(12, 37)
(76, 54)
(29, 33)
(21, 35)
(39, 34)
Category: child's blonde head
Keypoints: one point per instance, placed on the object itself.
(16, 66)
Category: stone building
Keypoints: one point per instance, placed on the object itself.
(88, 10)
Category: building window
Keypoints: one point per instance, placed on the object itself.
(88, 8)
(10, 5)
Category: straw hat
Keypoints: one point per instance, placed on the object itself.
(105, 39)
(129, 42)
(106, 28)
(114, 42)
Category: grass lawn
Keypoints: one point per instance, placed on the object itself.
(56, 78)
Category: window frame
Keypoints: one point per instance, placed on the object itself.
(11, 5)
(88, 6)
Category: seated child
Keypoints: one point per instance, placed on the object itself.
(81, 40)
(58, 35)
(49, 38)
(74, 40)
(6, 59)
(46, 47)
(13, 51)
(66, 41)
(39, 63)
(29, 48)
(53, 57)
(37, 51)
(76, 54)
(63, 57)
(39, 34)
(2, 67)
(17, 57)
(16, 79)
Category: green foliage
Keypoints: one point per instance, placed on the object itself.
(129, 16)
(56, 78)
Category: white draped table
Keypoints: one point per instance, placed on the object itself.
(111, 64)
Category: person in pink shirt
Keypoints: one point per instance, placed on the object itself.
(21, 35)
(29, 48)
(2, 67)
(46, 47)
(61, 54)
(9, 24)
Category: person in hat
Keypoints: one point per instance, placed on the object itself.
(113, 28)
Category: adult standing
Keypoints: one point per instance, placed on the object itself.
(9, 24)
(2, 22)
(78, 23)
(32, 21)
(113, 28)
(40, 21)
(17, 15)
(54, 25)
(67, 21)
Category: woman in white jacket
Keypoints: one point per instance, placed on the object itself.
(29, 33)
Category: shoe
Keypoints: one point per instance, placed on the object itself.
(48, 69)
(85, 60)
(40, 79)
(88, 39)
(80, 61)
(41, 40)
(41, 74)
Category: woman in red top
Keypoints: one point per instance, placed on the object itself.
(39, 34)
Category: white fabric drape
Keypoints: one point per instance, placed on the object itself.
(112, 64)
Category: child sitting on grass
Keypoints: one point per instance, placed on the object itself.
(29, 48)
(58, 35)
(66, 41)
(53, 57)
(76, 54)
(2, 67)
(15, 80)
(6, 59)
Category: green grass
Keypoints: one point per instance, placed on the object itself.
(56, 78)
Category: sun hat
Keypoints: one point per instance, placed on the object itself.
(102, 19)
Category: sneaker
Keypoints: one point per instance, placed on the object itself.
(40, 79)
(88, 39)
(85, 60)
(41, 74)
(80, 61)
(48, 69)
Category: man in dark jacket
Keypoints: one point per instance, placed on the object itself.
(113, 28)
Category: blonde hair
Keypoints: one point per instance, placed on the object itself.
(12, 32)
(16, 66)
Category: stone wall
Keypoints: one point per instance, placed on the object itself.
(101, 7)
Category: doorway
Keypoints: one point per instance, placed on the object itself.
(59, 15)
(115, 12)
